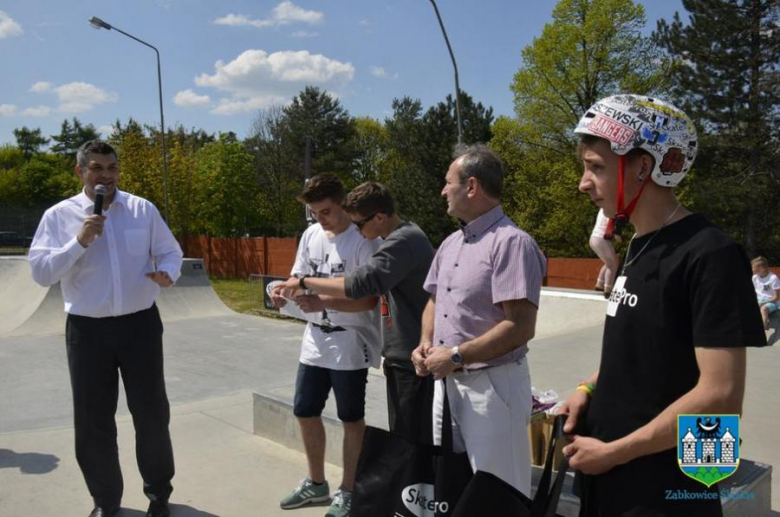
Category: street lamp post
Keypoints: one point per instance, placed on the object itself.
(455, 66)
(100, 24)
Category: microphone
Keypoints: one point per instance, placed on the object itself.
(100, 193)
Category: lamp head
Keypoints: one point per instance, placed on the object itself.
(97, 23)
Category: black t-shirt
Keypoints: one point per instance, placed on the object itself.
(690, 286)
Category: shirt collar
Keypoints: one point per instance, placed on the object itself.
(88, 205)
(479, 225)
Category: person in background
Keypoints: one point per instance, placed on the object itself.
(601, 244)
(337, 352)
(396, 272)
(767, 287)
(485, 283)
(679, 318)
(111, 268)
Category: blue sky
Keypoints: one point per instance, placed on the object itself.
(222, 60)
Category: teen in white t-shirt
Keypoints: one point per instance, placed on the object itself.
(325, 255)
(336, 353)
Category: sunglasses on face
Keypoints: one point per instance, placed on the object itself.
(360, 224)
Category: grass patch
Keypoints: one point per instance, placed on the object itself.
(237, 294)
(12, 250)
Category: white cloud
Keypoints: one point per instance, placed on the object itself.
(40, 111)
(364, 23)
(76, 97)
(304, 34)
(190, 99)
(289, 12)
(41, 87)
(106, 131)
(256, 79)
(233, 106)
(7, 110)
(8, 27)
(239, 20)
(283, 14)
(378, 71)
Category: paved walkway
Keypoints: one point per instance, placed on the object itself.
(212, 367)
(222, 468)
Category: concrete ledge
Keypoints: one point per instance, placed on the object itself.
(274, 420)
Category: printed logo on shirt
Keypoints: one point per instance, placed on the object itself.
(419, 500)
(385, 312)
(708, 446)
(620, 297)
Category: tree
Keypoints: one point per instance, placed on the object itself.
(438, 145)
(591, 49)
(71, 137)
(30, 141)
(226, 188)
(277, 172)
(139, 163)
(403, 171)
(726, 77)
(370, 144)
(315, 113)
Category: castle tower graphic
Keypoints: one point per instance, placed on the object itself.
(727, 447)
(707, 451)
(689, 447)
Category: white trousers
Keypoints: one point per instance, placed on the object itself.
(490, 413)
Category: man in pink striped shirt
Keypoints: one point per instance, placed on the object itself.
(485, 283)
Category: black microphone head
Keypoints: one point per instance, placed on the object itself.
(100, 193)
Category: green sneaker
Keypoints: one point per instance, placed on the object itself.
(342, 502)
(305, 493)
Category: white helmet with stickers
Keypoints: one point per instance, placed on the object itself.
(637, 122)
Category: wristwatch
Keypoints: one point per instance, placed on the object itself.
(456, 358)
(302, 282)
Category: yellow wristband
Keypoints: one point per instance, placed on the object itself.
(588, 387)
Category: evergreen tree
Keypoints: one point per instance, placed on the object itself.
(315, 113)
(727, 78)
(71, 137)
(30, 141)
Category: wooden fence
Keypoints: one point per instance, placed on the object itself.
(244, 256)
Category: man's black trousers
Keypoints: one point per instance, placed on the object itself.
(98, 350)
(409, 402)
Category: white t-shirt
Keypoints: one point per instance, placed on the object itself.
(360, 345)
(600, 228)
(766, 286)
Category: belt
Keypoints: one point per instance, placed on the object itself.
(462, 370)
(327, 329)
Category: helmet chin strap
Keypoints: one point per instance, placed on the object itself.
(623, 214)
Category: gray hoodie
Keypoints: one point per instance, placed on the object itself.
(397, 270)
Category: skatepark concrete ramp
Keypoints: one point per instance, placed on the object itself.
(562, 311)
(26, 308)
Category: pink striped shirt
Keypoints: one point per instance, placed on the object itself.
(487, 262)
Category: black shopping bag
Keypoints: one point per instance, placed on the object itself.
(489, 496)
(399, 478)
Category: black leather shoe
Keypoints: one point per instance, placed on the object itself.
(158, 509)
(104, 511)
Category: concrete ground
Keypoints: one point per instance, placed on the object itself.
(223, 469)
(212, 367)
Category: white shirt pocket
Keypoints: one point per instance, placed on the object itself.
(137, 241)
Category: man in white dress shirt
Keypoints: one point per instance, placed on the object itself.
(111, 268)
